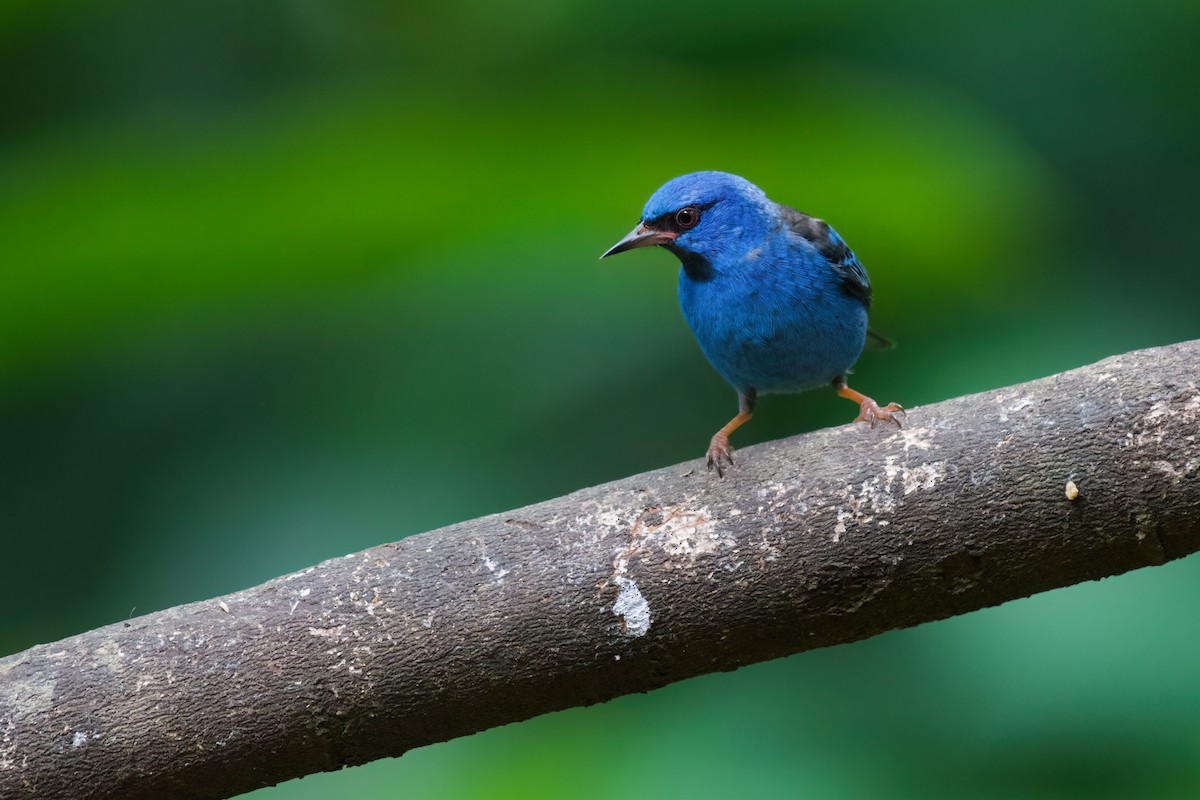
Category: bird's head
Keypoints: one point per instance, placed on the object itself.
(702, 216)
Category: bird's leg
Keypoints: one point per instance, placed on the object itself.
(719, 449)
(868, 409)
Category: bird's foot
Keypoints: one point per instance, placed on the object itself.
(719, 450)
(869, 411)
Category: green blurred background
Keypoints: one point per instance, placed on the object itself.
(283, 280)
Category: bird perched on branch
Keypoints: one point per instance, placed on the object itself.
(775, 298)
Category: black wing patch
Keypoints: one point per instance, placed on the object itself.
(827, 242)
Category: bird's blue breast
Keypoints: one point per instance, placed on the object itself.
(775, 318)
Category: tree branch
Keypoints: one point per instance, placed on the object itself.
(815, 540)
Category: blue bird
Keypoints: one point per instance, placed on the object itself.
(775, 298)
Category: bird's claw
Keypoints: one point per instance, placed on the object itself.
(719, 450)
(870, 411)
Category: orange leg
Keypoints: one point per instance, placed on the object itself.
(719, 448)
(868, 409)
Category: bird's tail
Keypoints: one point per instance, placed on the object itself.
(877, 341)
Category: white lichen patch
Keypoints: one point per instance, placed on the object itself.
(334, 633)
(687, 532)
(923, 476)
(78, 739)
(630, 607)
(875, 498)
(920, 438)
(603, 518)
(839, 529)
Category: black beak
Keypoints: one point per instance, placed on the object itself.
(641, 236)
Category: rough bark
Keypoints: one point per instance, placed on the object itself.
(823, 538)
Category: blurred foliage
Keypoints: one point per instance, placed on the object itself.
(282, 280)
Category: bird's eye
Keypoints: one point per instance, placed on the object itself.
(687, 217)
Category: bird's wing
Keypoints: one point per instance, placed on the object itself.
(839, 255)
